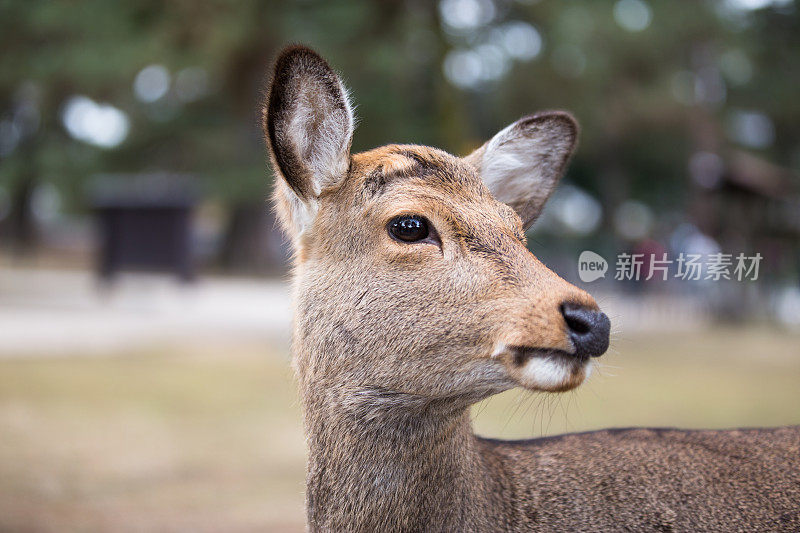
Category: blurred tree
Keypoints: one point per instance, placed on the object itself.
(212, 59)
(94, 86)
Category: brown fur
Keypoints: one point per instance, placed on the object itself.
(394, 341)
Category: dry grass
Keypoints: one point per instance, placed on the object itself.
(204, 439)
(177, 440)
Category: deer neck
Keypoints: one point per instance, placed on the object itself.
(379, 461)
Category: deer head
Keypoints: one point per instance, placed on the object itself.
(413, 281)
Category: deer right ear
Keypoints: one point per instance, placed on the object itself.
(308, 124)
(522, 164)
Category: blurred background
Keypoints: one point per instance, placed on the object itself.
(144, 312)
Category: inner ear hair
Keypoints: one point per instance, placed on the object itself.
(308, 122)
(521, 165)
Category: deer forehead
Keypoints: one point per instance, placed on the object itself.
(422, 180)
(383, 166)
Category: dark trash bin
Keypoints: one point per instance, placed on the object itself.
(144, 223)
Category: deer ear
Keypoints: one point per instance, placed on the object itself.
(308, 124)
(522, 164)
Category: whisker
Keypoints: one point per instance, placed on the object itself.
(517, 403)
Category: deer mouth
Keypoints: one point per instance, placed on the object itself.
(522, 354)
(547, 369)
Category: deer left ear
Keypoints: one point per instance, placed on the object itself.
(308, 124)
(522, 164)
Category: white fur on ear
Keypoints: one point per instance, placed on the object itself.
(295, 214)
(321, 132)
(323, 139)
(522, 164)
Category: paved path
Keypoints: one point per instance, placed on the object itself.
(49, 312)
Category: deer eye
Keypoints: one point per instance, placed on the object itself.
(409, 228)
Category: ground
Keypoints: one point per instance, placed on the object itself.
(208, 438)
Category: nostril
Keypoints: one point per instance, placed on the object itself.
(578, 318)
(576, 322)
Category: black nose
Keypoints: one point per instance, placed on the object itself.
(588, 329)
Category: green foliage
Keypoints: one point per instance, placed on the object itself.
(622, 86)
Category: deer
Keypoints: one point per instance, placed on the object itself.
(416, 296)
